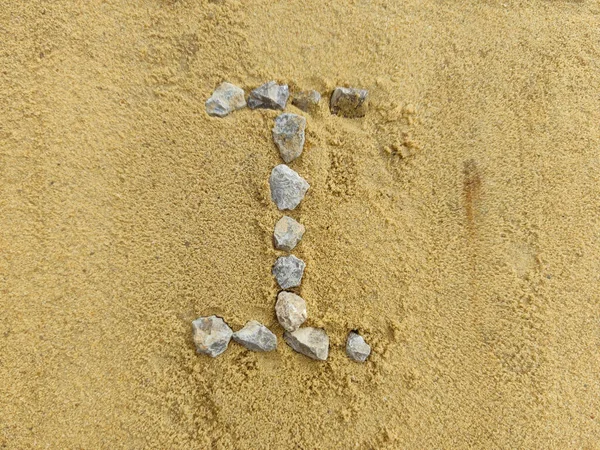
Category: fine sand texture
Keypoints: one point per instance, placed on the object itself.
(456, 226)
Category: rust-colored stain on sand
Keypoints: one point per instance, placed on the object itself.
(471, 193)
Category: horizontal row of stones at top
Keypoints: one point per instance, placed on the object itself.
(345, 102)
(211, 337)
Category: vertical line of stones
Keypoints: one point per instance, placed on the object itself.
(211, 334)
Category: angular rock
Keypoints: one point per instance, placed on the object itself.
(287, 187)
(307, 101)
(349, 102)
(356, 347)
(290, 310)
(288, 271)
(225, 99)
(288, 134)
(269, 96)
(312, 342)
(255, 336)
(211, 335)
(287, 233)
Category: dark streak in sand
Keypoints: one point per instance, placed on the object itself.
(471, 193)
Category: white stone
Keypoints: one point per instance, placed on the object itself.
(290, 310)
(288, 271)
(287, 187)
(211, 335)
(270, 96)
(255, 336)
(225, 99)
(311, 342)
(356, 347)
(288, 134)
(288, 232)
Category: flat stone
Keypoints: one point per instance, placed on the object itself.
(287, 187)
(269, 96)
(356, 347)
(211, 335)
(349, 102)
(307, 101)
(288, 134)
(290, 310)
(255, 336)
(225, 99)
(311, 342)
(288, 232)
(288, 271)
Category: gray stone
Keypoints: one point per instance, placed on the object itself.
(255, 336)
(287, 233)
(288, 271)
(288, 134)
(356, 347)
(211, 335)
(307, 101)
(290, 310)
(225, 99)
(287, 187)
(270, 96)
(349, 102)
(312, 342)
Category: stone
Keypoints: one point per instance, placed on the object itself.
(307, 101)
(269, 96)
(356, 347)
(311, 342)
(288, 271)
(255, 336)
(290, 310)
(288, 134)
(211, 335)
(349, 102)
(288, 232)
(225, 99)
(287, 187)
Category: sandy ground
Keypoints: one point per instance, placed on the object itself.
(456, 226)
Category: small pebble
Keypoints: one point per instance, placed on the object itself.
(312, 342)
(225, 99)
(255, 336)
(288, 232)
(290, 310)
(211, 335)
(307, 101)
(287, 187)
(288, 134)
(269, 96)
(288, 271)
(356, 347)
(349, 102)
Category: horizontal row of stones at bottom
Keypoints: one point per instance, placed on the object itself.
(212, 336)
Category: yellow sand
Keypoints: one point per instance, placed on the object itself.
(457, 225)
